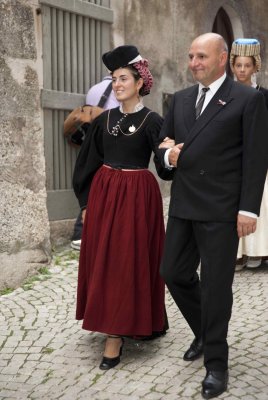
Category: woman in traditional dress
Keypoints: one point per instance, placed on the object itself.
(120, 292)
(245, 62)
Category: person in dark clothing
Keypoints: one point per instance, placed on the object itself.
(220, 162)
(120, 292)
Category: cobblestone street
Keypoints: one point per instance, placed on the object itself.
(46, 355)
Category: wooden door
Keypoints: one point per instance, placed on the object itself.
(75, 35)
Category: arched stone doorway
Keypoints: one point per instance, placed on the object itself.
(236, 13)
(223, 26)
(226, 18)
(227, 22)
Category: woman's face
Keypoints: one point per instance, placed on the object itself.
(243, 69)
(125, 86)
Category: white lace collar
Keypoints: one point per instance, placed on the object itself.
(139, 106)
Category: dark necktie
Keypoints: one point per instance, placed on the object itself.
(199, 105)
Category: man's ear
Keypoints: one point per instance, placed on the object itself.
(224, 58)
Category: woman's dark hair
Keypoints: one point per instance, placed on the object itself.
(134, 72)
(136, 76)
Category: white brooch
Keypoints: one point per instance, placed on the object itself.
(222, 103)
(132, 128)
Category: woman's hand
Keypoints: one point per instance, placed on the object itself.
(84, 215)
(167, 143)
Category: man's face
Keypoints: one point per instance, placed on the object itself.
(206, 60)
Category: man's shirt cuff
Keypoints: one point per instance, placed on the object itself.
(248, 214)
(167, 165)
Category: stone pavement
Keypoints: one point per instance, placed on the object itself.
(44, 353)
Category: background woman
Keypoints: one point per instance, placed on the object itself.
(245, 62)
(120, 292)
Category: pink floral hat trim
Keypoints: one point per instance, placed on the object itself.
(142, 67)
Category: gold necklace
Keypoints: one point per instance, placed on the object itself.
(132, 129)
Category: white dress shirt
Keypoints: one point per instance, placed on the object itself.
(213, 88)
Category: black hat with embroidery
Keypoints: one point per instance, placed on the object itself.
(120, 57)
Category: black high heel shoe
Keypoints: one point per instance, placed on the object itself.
(108, 362)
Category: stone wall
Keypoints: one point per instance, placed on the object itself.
(24, 234)
(164, 30)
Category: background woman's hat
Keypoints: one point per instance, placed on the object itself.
(244, 47)
(120, 57)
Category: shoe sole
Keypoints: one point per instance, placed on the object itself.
(73, 246)
(253, 266)
(211, 396)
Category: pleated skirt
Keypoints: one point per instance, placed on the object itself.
(120, 290)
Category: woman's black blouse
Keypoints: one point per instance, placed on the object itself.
(127, 150)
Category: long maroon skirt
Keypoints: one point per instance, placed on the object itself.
(120, 290)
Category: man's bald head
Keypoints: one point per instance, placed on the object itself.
(208, 57)
(215, 38)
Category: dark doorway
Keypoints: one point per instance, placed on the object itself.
(222, 25)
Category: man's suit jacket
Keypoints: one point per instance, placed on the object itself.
(223, 163)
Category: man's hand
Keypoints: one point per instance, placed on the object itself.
(245, 225)
(167, 143)
(174, 154)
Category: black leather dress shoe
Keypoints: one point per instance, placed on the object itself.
(108, 363)
(214, 384)
(194, 351)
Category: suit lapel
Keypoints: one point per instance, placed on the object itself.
(219, 101)
(189, 108)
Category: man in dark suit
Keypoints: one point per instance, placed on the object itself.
(220, 164)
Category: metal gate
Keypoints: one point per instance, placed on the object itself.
(75, 35)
